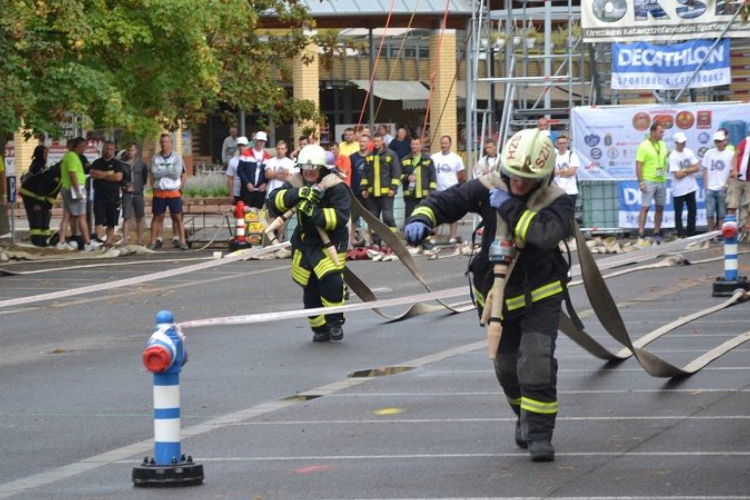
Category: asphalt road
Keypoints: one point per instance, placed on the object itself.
(271, 415)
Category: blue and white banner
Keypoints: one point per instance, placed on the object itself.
(662, 67)
(630, 204)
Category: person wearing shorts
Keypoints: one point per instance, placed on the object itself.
(166, 179)
(133, 204)
(651, 169)
(74, 196)
(738, 195)
(108, 173)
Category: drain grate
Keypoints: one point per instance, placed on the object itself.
(380, 372)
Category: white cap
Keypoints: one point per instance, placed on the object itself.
(720, 136)
(679, 137)
(260, 136)
(242, 141)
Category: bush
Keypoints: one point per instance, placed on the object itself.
(206, 184)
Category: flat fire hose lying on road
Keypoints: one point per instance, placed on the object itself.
(609, 316)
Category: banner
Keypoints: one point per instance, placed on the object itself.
(662, 67)
(606, 138)
(660, 20)
(629, 196)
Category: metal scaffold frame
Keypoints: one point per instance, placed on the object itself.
(526, 94)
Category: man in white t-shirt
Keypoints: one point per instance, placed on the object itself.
(450, 172)
(279, 168)
(718, 163)
(233, 180)
(566, 165)
(683, 170)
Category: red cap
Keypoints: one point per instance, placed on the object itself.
(156, 359)
(729, 231)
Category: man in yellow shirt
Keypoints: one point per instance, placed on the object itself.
(348, 146)
(74, 196)
(651, 169)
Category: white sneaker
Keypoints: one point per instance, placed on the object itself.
(93, 245)
(62, 245)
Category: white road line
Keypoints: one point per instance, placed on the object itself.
(474, 420)
(585, 370)
(583, 454)
(690, 392)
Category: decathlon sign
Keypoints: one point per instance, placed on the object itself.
(646, 66)
(664, 20)
(629, 196)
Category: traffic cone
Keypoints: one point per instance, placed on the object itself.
(239, 240)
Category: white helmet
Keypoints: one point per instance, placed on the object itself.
(311, 157)
(530, 154)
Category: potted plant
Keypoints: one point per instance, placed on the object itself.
(529, 34)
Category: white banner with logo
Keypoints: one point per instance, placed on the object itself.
(605, 138)
(662, 67)
(660, 20)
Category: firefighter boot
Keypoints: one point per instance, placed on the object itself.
(541, 450)
(335, 330)
(321, 333)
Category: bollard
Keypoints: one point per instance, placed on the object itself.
(725, 286)
(165, 356)
(239, 241)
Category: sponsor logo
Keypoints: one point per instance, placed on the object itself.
(592, 140)
(596, 153)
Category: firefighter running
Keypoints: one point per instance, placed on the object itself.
(321, 238)
(529, 217)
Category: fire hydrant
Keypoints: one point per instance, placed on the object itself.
(165, 356)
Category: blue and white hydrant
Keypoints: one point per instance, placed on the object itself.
(726, 286)
(165, 356)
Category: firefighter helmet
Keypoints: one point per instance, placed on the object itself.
(529, 154)
(311, 157)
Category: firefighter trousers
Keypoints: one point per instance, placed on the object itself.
(325, 292)
(526, 366)
(38, 213)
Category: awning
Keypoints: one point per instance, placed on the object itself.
(395, 90)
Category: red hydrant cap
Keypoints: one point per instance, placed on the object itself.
(729, 231)
(156, 359)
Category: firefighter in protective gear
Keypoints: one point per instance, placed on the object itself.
(381, 177)
(323, 209)
(529, 216)
(39, 192)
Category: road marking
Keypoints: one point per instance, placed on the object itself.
(142, 448)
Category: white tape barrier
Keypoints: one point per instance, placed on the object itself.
(234, 257)
(303, 313)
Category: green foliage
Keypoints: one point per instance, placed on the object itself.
(207, 184)
(144, 65)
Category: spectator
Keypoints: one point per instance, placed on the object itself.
(108, 173)
(229, 147)
(251, 170)
(651, 169)
(450, 172)
(349, 145)
(233, 180)
(380, 180)
(385, 131)
(342, 163)
(490, 162)
(279, 169)
(543, 124)
(74, 197)
(304, 140)
(566, 166)
(133, 201)
(366, 131)
(683, 169)
(718, 163)
(401, 144)
(739, 187)
(165, 177)
(419, 178)
(358, 164)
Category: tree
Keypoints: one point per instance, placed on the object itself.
(144, 65)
